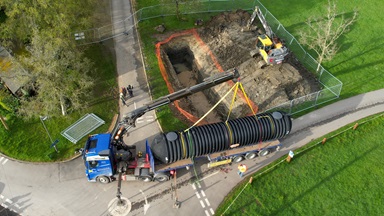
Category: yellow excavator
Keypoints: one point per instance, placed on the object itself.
(268, 45)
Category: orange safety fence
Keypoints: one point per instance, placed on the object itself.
(165, 75)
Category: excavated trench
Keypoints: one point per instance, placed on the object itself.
(184, 71)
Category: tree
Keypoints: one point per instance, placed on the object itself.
(188, 4)
(323, 32)
(59, 70)
(61, 77)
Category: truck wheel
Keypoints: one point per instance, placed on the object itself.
(145, 178)
(237, 159)
(264, 152)
(250, 155)
(103, 179)
(161, 177)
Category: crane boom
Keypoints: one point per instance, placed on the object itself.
(130, 118)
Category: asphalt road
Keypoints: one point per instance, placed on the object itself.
(57, 189)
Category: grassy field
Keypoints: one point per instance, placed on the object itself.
(358, 63)
(342, 177)
(28, 140)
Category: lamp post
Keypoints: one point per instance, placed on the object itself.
(43, 118)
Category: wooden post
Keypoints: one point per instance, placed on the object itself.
(4, 123)
(324, 140)
(355, 126)
(250, 180)
(288, 159)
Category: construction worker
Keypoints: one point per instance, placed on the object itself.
(242, 168)
(122, 98)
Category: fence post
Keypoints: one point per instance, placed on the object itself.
(317, 96)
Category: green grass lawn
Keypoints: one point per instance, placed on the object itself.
(28, 140)
(358, 63)
(342, 177)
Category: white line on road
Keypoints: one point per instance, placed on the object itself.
(1, 196)
(139, 120)
(134, 104)
(208, 204)
(202, 192)
(209, 175)
(193, 186)
(213, 212)
(207, 213)
(9, 201)
(202, 203)
(197, 194)
(6, 160)
(1, 158)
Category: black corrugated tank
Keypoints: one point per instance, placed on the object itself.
(211, 138)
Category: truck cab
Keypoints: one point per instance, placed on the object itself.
(98, 158)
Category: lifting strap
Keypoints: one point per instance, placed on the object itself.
(209, 111)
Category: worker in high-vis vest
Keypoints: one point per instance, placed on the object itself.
(242, 168)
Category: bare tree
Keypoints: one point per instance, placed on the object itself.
(323, 32)
(189, 5)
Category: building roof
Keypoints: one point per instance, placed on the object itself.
(11, 73)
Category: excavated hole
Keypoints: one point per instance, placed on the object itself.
(183, 71)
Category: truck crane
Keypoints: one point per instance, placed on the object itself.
(268, 45)
(106, 156)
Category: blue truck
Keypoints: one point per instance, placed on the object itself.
(107, 158)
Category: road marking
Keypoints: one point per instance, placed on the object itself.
(206, 200)
(134, 104)
(1, 158)
(139, 120)
(202, 203)
(9, 201)
(207, 213)
(1, 196)
(209, 175)
(200, 198)
(6, 160)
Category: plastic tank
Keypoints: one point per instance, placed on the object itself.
(211, 138)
